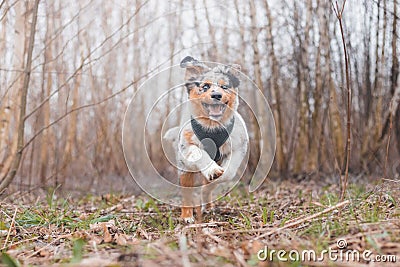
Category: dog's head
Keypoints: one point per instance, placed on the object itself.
(213, 92)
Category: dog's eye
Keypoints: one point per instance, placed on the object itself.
(206, 87)
(225, 87)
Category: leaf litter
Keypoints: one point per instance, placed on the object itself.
(118, 230)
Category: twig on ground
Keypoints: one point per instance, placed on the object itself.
(292, 223)
(116, 206)
(210, 224)
(390, 180)
(49, 244)
(22, 241)
(207, 232)
(305, 219)
(12, 225)
(239, 258)
(184, 250)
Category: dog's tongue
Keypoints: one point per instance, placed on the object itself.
(215, 110)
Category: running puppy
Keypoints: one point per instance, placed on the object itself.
(213, 143)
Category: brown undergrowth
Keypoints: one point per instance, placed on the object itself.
(116, 230)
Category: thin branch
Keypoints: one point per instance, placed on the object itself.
(7, 9)
(344, 180)
(99, 102)
(2, 3)
(49, 245)
(288, 224)
(84, 63)
(305, 219)
(12, 225)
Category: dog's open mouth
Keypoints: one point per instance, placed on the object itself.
(214, 111)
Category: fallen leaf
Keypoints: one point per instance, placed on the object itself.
(44, 253)
(120, 239)
(106, 234)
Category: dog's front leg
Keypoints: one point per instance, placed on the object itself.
(195, 160)
(198, 160)
(187, 180)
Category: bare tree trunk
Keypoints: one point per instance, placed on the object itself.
(395, 83)
(335, 124)
(72, 124)
(316, 123)
(9, 105)
(397, 125)
(242, 43)
(5, 113)
(276, 97)
(366, 118)
(4, 183)
(213, 51)
(46, 89)
(379, 79)
(301, 149)
(374, 101)
(254, 42)
(393, 78)
(395, 59)
(255, 154)
(136, 48)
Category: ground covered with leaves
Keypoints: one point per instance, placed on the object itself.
(293, 215)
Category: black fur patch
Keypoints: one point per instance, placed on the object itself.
(186, 60)
(233, 79)
(218, 135)
(190, 62)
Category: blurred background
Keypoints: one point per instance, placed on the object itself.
(88, 58)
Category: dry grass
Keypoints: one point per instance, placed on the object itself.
(115, 230)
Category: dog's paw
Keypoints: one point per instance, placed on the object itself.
(213, 172)
(188, 220)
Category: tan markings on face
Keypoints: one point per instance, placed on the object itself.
(197, 97)
(188, 137)
(229, 97)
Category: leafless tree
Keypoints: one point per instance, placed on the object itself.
(88, 58)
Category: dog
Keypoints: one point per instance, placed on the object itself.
(213, 143)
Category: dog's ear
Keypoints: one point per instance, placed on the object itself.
(193, 67)
(233, 72)
(234, 69)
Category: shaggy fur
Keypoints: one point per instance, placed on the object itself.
(213, 96)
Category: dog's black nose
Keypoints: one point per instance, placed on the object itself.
(216, 95)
